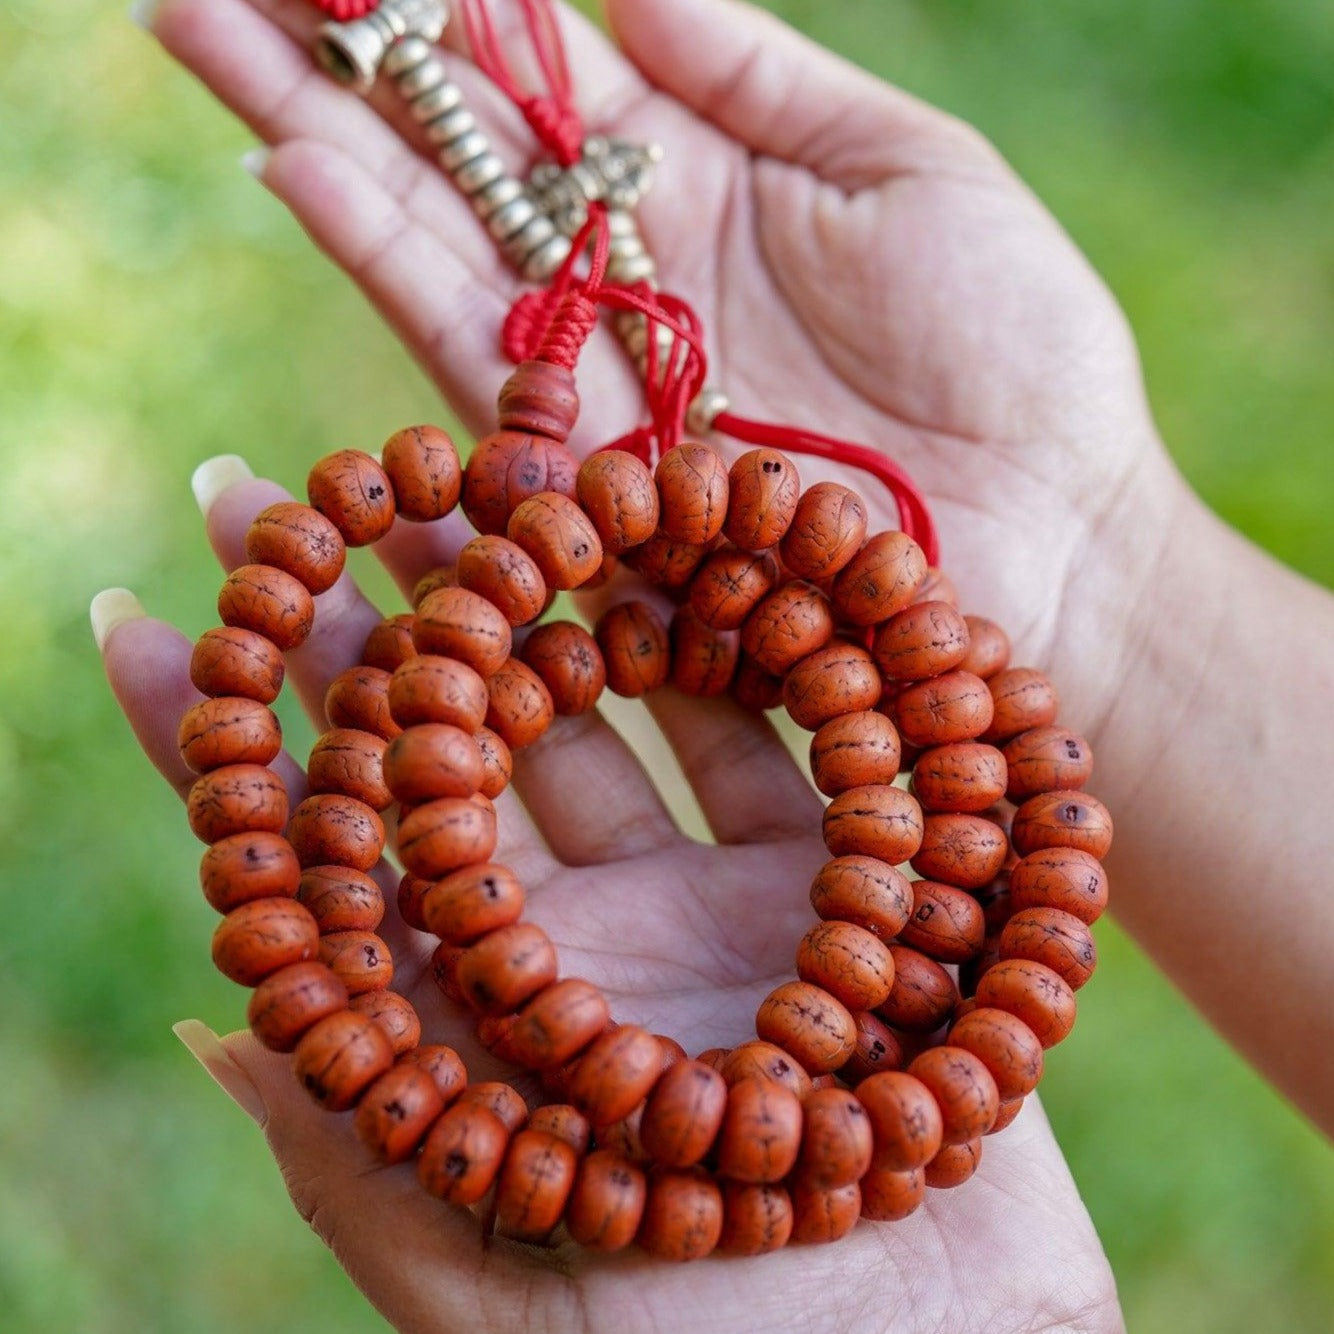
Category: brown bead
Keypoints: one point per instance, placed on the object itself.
(889, 1196)
(906, 1124)
(880, 580)
(683, 1215)
(389, 644)
(462, 1153)
(618, 494)
(564, 1122)
(692, 491)
(857, 750)
(501, 1100)
(442, 576)
(666, 562)
(1058, 939)
(926, 639)
(396, 1111)
(937, 586)
(757, 1059)
(704, 660)
(878, 1048)
(836, 1139)
(432, 689)
(569, 663)
(340, 831)
(965, 776)
(424, 470)
(504, 969)
(299, 540)
(623, 1137)
(230, 660)
(635, 648)
(447, 834)
(1006, 1115)
(826, 532)
(954, 707)
(497, 762)
(809, 1023)
(432, 760)
(353, 492)
(822, 1216)
(1005, 1045)
(1032, 992)
(251, 865)
(1063, 878)
(506, 468)
(1062, 820)
(445, 959)
(534, 1185)
(340, 1057)
(558, 1023)
(757, 1219)
(923, 995)
(237, 799)
(540, 397)
(560, 538)
(865, 891)
(1023, 699)
(988, 648)
(850, 963)
(789, 623)
(875, 821)
(760, 1135)
(358, 700)
(268, 601)
(834, 681)
(412, 890)
(729, 584)
(963, 1087)
(763, 490)
(505, 575)
(963, 850)
(953, 1165)
(360, 959)
(607, 1203)
(1047, 759)
(520, 708)
(292, 1000)
(616, 1074)
(395, 1014)
(755, 689)
(473, 902)
(341, 899)
(456, 623)
(946, 923)
(350, 763)
(683, 1114)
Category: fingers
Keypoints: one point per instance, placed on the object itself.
(781, 95)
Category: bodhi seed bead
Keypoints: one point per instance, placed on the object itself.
(500, 1100)
(1062, 820)
(962, 1087)
(876, 821)
(618, 494)
(433, 760)
(964, 850)
(755, 689)
(341, 899)
(268, 601)
(505, 575)
(757, 1219)
(411, 892)
(333, 830)
(568, 661)
(616, 1074)
(504, 969)
(764, 1060)
(462, 1153)
(865, 891)
(1023, 699)
(252, 865)
(923, 640)
(390, 644)
(821, 1216)
(692, 491)
(763, 490)
(946, 923)
(954, 707)
(433, 689)
(237, 799)
(683, 1215)
(729, 584)
(339, 1057)
(1058, 939)
(635, 648)
(923, 995)
(856, 750)
(360, 959)
(539, 397)
(937, 587)
(350, 763)
(230, 660)
(880, 580)
(471, 903)
(565, 1122)
(442, 1064)
(559, 537)
(808, 1022)
(228, 730)
(889, 1196)
(878, 1048)
(1063, 878)
(953, 1165)
(830, 683)
(397, 1111)
(964, 776)
(558, 1023)
(1005, 1045)
(1032, 992)
(1046, 759)
(442, 576)
(358, 699)
(1006, 1115)
(354, 493)
(826, 532)
(683, 1114)
(520, 708)
(456, 623)
(791, 622)
(906, 1123)
(849, 962)
(760, 1135)
(444, 835)
(666, 561)
(704, 660)
(291, 1001)
(534, 1184)
(988, 648)
(424, 470)
(836, 1139)
(607, 1203)
(299, 540)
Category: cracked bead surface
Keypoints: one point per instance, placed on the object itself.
(923, 995)
(830, 683)
(1005, 1045)
(620, 497)
(962, 1087)
(759, 1059)
(251, 865)
(635, 648)
(953, 1165)
(568, 661)
(396, 1111)
(519, 706)
(558, 1023)
(757, 1219)
(462, 1154)
(704, 660)
(763, 490)
(683, 1215)
(607, 1203)
(692, 491)
(988, 648)
(1062, 820)
(1046, 759)
(289, 1002)
(945, 923)
(444, 835)
(299, 540)
(340, 1057)
(360, 959)
(504, 574)
(729, 584)
(434, 689)
(760, 1135)
(857, 750)
(889, 1196)
(341, 899)
(1058, 939)
(389, 644)
(433, 760)
(358, 699)
(268, 601)
(560, 538)
(822, 1216)
(1022, 698)
(808, 1022)
(534, 1184)
(472, 902)
(880, 580)
(959, 849)
(849, 962)
(506, 468)
(423, 468)
(683, 1114)
(237, 799)
(1064, 878)
(262, 936)
(354, 493)
(350, 763)
(954, 707)
(963, 776)
(906, 1124)
(836, 1139)
(865, 891)
(1032, 992)
(789, 623)
(616, 1074)
(827, 530)
(925, 639)
(455, 623)
(505, 968)
(231, 660)
(332, 830)
(874, 821)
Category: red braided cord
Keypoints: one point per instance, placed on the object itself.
(345, 11)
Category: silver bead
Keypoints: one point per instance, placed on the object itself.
(405, 55)
(546, 259)
(620, 223)
(479, 173)
(353, 52)
(527, 239)
(495, 196)
(440, 100)
(705, 409)
(452, 125)
(511, 218)
(422, 78)
(631, 269)
(466, 147)
(626, 247)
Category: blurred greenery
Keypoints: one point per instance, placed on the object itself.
(156, 308)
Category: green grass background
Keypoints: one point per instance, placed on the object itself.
(156, 308)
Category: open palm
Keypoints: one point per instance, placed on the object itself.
(867, 267)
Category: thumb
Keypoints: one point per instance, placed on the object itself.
(782, 95)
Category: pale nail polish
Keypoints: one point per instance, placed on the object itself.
(255, 160)
(203, 1044)
(143, 12)
(216, 475)
(110, 608)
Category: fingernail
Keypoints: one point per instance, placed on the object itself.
(255, 160)
(216, 475)
(204, 1045)
(143, 12)
(110, 608)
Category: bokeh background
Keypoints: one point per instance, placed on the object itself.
(156, 308)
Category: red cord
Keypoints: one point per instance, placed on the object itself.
(345, 11)
(552, 115)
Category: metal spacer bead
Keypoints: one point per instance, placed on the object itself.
(547, 258)
(490, 198)
(632, 269)
(437, 102)
(464, 149)
(430, 73)
(529, 237)
(450, 127)
(511, 218)
(704, 410)
(621, 223)
(406, 54)
(479, 173)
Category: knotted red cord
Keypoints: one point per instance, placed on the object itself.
(345, 11)
(552, 115)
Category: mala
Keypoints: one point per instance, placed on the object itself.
(920, 1008)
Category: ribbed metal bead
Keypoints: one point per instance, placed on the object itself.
(511, 218)
(406, 54)
(464, 149)
(440, 100)
(421, 78)
(479, 173)
(704, 410)
(451, 126)
(547, 258)
(527, 239)
(495, 196)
